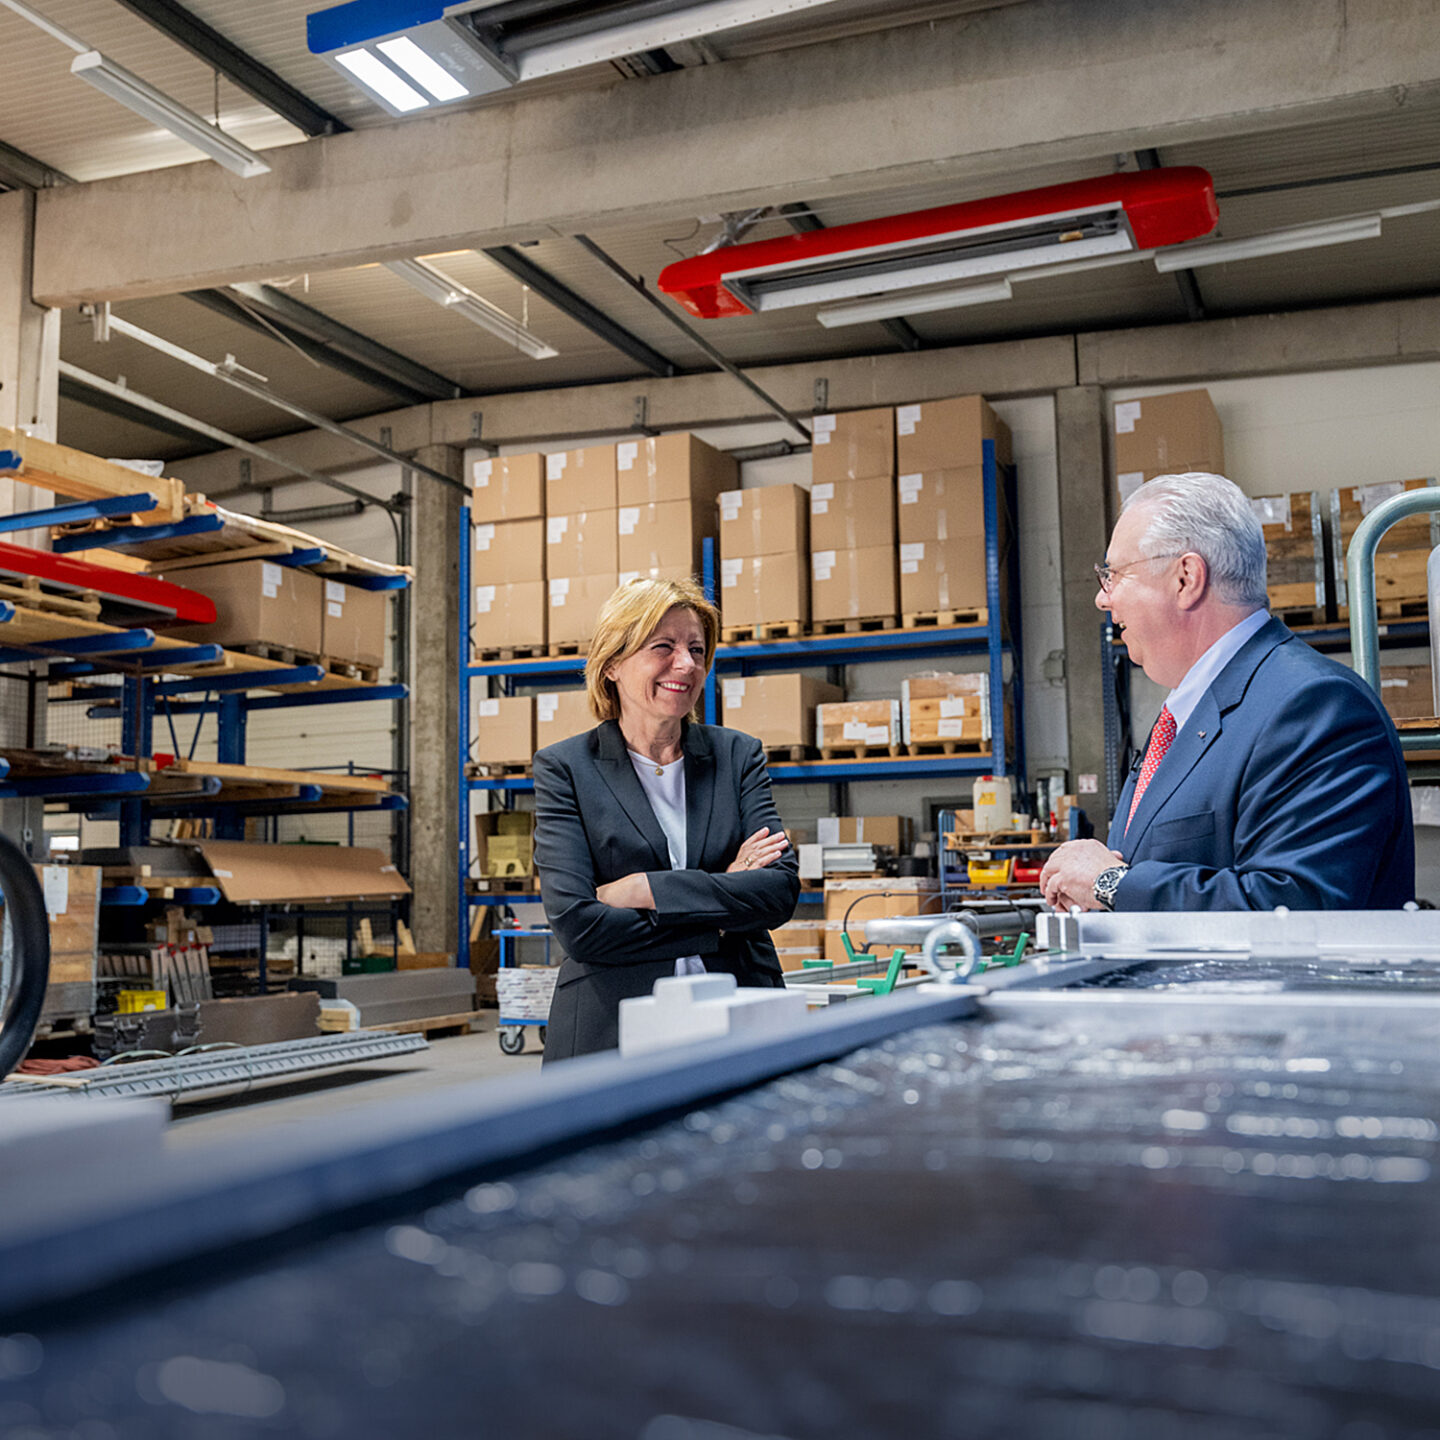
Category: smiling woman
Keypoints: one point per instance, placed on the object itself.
(657, 842)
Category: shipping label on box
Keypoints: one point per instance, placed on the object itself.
(855, 445)
(509, 552)
(769, 520)
(580, 480)
(948, 434)
(507, 487)
(853, 584)
(849, 514)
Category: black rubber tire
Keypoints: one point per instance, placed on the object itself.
(30, 963)
(512, 1039)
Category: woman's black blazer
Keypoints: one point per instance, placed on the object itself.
(593, 824)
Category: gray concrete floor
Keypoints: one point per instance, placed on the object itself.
(450, 1060)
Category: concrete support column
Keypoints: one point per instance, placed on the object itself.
(1084, 534)
(437, 795)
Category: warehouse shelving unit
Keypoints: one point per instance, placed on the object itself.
(145, 678)
(997, 639)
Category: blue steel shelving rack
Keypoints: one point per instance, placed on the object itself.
(998, 637)
(121, 795)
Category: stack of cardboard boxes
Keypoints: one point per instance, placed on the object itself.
(581, 542)
(764, 562)
(852, 516)
(1401, 588)
(668, 489)
(507, 512)
(505, 844)
(1294, 552)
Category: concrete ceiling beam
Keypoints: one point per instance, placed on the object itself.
(980, 95)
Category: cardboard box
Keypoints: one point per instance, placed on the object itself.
(891, 832)
(509, 616)
(941, 504)
(776, 709)
(577, 480)
(853, 584)
(944, 575)
(793, 957)
(1404, 548)
(854, 724)
(504, 843)
(72, 905)
(509, 857)
(504, 730)
(250, 872)
(354, 624)
(664, 534)
(1408, 691)
(763, 590)
(672, 467)
(856, 445)
(256, 603)
(848, 514)
(559, 714)
(798, 934)
(862, 900)
(948, 434)
(1294, 550)
(575, 601)
(942, 706)
(581, 543)
(1165, 435)
(509, 552)
(659, 572)
(507, 487)
(769, 520)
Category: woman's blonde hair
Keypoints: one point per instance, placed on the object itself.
(627, 620)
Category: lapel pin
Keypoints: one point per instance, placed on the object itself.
(1201, 734)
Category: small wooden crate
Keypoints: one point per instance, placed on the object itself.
(1295, 554)
(1400, 584)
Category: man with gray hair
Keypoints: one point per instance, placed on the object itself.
(1273, 775)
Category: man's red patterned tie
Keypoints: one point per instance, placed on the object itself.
(1160, 738)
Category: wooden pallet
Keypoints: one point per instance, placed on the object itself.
(513, 652)
(568, 647)
(493, 770)
(1301, 616)
(1415, 608)
(949, 747)
(860, 751)
(26, 590)
(940, 619)
(505, 885)
(858, 625)
(280, 654)
(771, 630)
(428, 1025)
(789, 754)
(349, 669)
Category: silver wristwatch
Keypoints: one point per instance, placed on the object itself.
(1107, 882)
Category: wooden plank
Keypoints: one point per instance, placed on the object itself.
(223, 557)
(265, 775)
(79, 476)
(426, 1023)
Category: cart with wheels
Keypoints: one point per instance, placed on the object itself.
(524, 992)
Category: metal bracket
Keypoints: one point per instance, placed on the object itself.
(822, 395)
(99, 320)
(641, 421)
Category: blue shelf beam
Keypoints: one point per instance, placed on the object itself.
(139, 534)
(198, 895)
(363, 581)
(126, 895)
(241, 680)
(299, 559)
(78, 511)
(118, 643)
(151, 660)
(60, 787)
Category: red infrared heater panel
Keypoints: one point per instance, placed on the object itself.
(1112, 215)
(119, 591)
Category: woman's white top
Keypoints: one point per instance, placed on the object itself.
(664, 787)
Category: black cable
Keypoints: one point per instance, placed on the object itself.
(30, 954)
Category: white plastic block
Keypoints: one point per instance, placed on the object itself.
(683, 1009)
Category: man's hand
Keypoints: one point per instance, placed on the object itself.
(1068, 878)
(629, 892)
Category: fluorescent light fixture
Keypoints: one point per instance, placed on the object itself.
(399, 97)
(1274, 242)
(889, 307)
(420, 67)
(437, 286)
(132, 92)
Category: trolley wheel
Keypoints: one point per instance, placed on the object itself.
(512, 1039)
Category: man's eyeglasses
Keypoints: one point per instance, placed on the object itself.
(1108, 574)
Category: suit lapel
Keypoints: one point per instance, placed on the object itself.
(699, 792)
(1201, 730)
(617, 770)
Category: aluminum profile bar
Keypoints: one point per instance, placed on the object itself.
(252, 384)
(187, 424)
(459, 299)
(544, 284)
(242, 70)
(643, 290)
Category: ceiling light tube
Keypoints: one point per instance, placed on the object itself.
(437, 286)
(132, 92)
(375, 75)
(1274, 242)
(425, 70)
(891, 307)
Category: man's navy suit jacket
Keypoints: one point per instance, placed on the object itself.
(594, 824)
(1286, 786)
